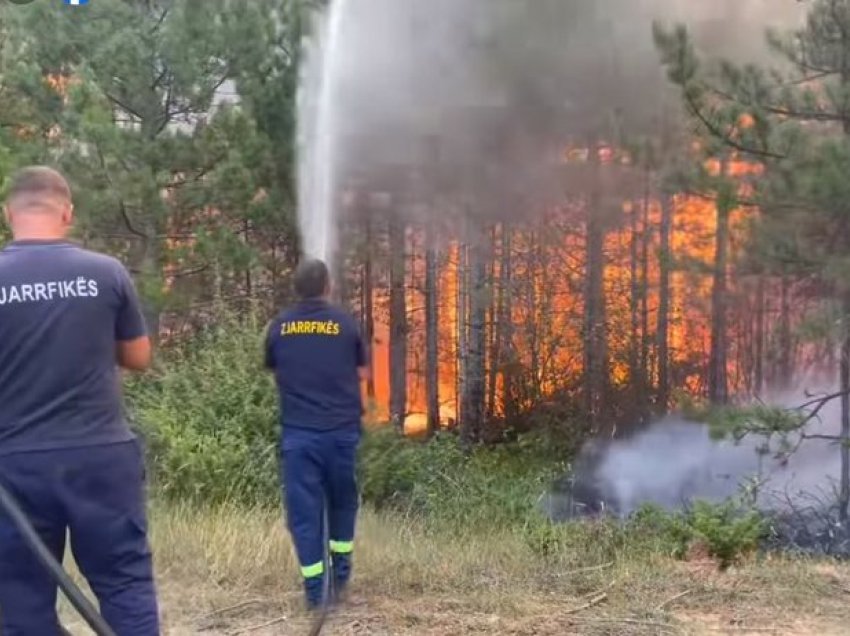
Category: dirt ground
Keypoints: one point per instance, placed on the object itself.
(737, 604)
(228, 573)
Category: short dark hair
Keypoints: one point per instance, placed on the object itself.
(39, 181)
(311, 278)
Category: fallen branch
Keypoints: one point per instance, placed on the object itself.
(593, 568)
(672, 600)
(596, 600)
(254, 628)
(232, 608)
(625, 621)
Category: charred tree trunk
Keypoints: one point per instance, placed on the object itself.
(432, 374)
(475, 380)
(535, 325)
(646, 239)
(785, 345)
(595, 332)
(635, 371)
(369, 309)
(664, 266)
(718, 386)
(759, 338)
(462, 328)
(340, 283)
(497, 326)
(398, 324)
(845, 413)
(506, 325)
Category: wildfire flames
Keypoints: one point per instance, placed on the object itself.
(547, 297)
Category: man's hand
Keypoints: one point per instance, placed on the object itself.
(364, 374)
(134, 355)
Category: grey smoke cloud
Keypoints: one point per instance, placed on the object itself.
(502, 84)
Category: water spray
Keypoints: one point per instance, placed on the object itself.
(318, 130)
(75, 596)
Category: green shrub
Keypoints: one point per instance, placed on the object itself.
(729, 532)
(494, 486)
(209, 418)
(208, 415)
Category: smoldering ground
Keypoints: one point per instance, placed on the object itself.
(673, 462)
(474, 100)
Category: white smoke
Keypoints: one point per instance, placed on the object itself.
(674, 461)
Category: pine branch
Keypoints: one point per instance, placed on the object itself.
(125, 215)
(727, 139)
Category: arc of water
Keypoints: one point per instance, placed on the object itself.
(318, 124)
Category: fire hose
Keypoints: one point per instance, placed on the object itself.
(327, 591)
(73, 593)
(84, 607)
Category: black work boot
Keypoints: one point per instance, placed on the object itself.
(341, 568)
(314, 592)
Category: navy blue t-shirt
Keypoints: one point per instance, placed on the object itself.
(62, 309)
(315, 351)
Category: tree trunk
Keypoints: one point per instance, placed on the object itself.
(340, 282)
(635, 372)
(845, 413)
(498, 325)
(432, 372)
(785, 345)
(475, 380)
(506, 322)
(462, 327)
(534, 325)
(398, 324)
(759, 338)
(664, 265)
(646, 239)
(246, 237)
(595, 332)
(369, 308)
(718, 388)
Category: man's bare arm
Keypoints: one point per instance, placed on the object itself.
(135, 355)
(364, 373)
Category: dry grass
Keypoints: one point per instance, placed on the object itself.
(231, 571)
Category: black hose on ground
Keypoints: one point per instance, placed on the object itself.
(75, 596)
(328, 591)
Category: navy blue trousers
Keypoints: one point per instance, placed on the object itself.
(96, 496)
(319, 467)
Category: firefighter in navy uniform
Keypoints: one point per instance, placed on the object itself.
(68, 318)
(319, 359)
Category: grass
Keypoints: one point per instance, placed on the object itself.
(229, 570)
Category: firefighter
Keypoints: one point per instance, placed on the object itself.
(68, 318)
(319, 359)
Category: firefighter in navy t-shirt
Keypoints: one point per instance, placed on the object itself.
(318, 359)
(68, 319)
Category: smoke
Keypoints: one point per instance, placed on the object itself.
(674, 461)
(466, 104)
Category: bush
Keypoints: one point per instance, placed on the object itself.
(208, 415)
(727, 531)
(436, 479)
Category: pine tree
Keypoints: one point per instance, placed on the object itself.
(796, 123)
